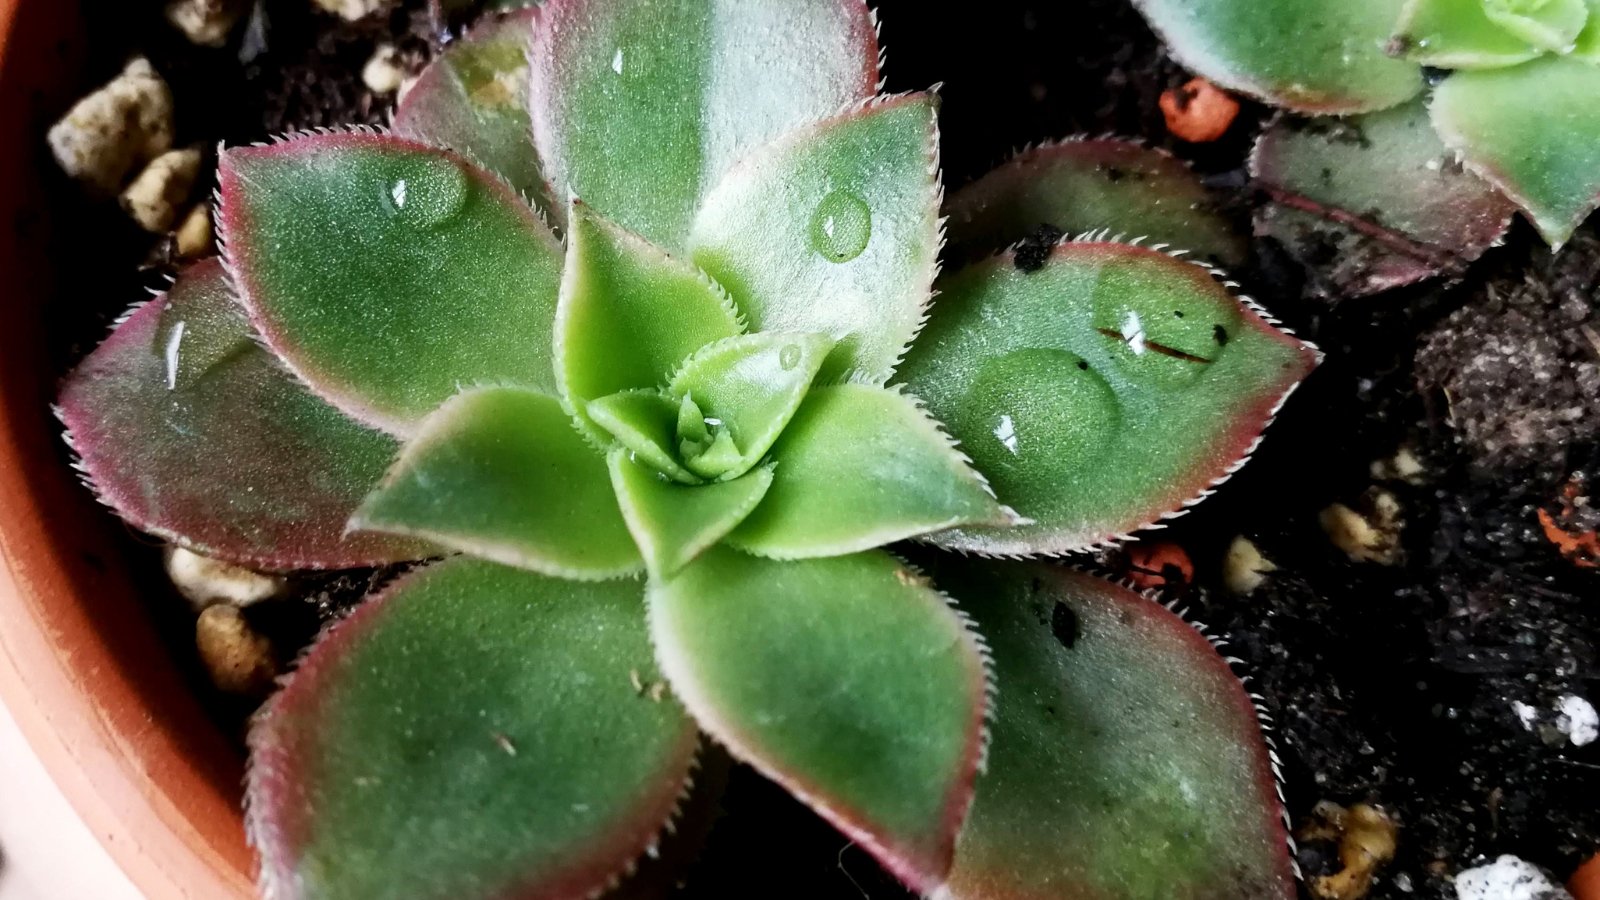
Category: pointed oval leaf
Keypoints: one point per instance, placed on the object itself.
(1588, 46)
(674, 523)
(1104, 391)
(752, 384)
(1079, 186)
(644, 422)
(1551, 25)
(473, 99)
(387, 274)
(835, 229)
(475, 731)
(1457, 34)
(1375, 201)
(1534, 132)
(860, 467)
(1308, 55)
(639, 106)
(847, 680)
(1126, 760)
(500, 473)
(629, 314)
(190, 431)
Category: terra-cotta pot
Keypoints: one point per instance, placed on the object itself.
(82, 667)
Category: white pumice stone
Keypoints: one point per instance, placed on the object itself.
(205, 22)
(1508, 878)
(207, 582)
(116, 129)
(159, 193)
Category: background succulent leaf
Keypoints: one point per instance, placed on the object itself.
(1126, 761)
(645, 422)
(443, 275)
(752, 385)
(629, 314)
(848, 680)
(859, 467)
(1551, 25)
(1308, 55)
(1588, 45)
(1099, 393)
(1457, 34)
(1374, 201)
(1532, 130)
(477, 731)
(834, 228)
(473, 99)
(1078, 186)
(191, 431)
(501, 473)
(640, 105)
(674, 523)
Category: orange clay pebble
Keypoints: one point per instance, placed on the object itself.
(1159, 566)
(1199, 111)
(1581, 548)
(1585, 883)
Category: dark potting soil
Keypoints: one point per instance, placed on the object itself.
(1392, 685)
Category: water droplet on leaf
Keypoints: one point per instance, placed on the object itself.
(427, 192)
(1036, 407)
(789, 356)
(841, 227)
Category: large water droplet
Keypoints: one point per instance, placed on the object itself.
(789, 356)
(841, 227)
(426, 191)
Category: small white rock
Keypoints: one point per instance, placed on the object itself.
(239, 659)
(156, 196)
(1244, 568)
(351, 10)
(1508, 878)
(1370, 536)
(382, 73)
(207, 582)
(195, 237)
(124, 124)
(1576, 717)
(205, 22)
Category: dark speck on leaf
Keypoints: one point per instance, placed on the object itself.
(1220, 335)
(1064, 625)
(1033, 251)
(1083, 365)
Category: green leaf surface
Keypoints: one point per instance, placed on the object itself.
(387, 274)
(860, 467)
(835, 229)
(751, 385)
(500, 473)
(1126, 761)
(639, 106)
(473, 98)
(191, 431)
(1099, 393)
(1587, 47)
(1551, 25)
(1374, 202)
(1457, 34)
(1079, 186)
(1313, 56)
(475, 731)
(646, 423)
(847, 680)
(674, 523)
(1534, 132)
(629, 314)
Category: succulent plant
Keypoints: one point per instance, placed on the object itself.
(1382, 192)
(647, 469)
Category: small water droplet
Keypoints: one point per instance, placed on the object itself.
(789, 356)
(174, 343)
(841, 227)
(426, 192)
(616, 62)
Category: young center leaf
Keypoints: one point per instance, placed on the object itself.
(1534, 132)
(629, 314)
(1126, 761)
(1457, 34)
(639, 106)
(673, 523)
(835, 229)
(1079, 186)
(860, 467)
(848, 680)
(386, 273)
(501, 473)
(1312, 56)
(190, 431)
(645, 423)
(473, 99)
(1550, 25)
(1374, 202)
(475, 732)
(1103, 391)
